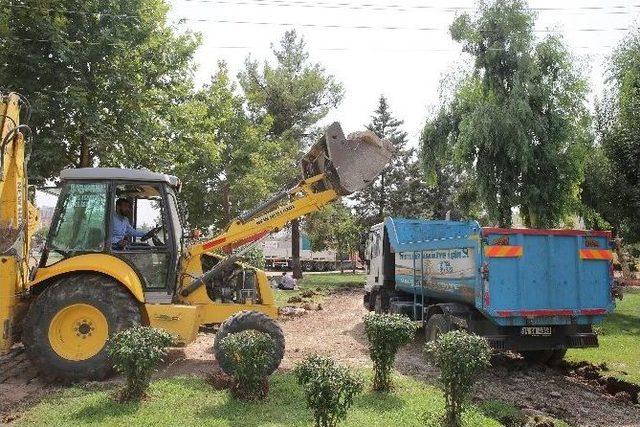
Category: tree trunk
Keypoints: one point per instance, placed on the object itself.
(382, 201)
(226, 203)
(353, 261)
(295, 249)
(85, 157)
(623, 259)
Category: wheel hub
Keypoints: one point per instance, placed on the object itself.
(78, 332)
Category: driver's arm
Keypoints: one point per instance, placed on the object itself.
(133, 232)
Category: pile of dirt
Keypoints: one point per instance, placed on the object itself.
(592, 375)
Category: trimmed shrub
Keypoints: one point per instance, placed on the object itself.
(460, 357)
(386, 334)
(135, 353)
(250, 353)
(329, 389)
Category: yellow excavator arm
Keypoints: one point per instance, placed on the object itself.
(302, 199)
(334, 166)
(18, 217)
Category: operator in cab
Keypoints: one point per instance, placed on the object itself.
(121, 229)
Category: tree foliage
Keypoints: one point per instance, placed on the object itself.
(229, 162)
(399, 190)
(333, 227)
(519, 121)
(296, 93)
(101, 77)
(612, 187)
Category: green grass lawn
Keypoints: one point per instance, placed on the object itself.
(190, 401)
(619, 338)
(322, 285)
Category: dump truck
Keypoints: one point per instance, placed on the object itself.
(536, 292)
(277, 255)
(88, 286)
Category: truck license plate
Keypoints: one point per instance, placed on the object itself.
(536, 330)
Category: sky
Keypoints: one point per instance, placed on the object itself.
(399, 48)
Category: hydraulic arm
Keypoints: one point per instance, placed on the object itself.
(335, 166)
(18, 217)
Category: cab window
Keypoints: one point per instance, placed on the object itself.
(146, 213)
(81, 221)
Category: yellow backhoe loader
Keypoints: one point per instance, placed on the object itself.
(89, 283)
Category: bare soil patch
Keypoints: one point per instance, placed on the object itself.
(572, 393)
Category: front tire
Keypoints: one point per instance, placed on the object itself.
(68, 326)
(249, 320)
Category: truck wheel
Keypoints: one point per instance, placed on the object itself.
(249, 320)
(436, 326)
(371, 300)
(556, 357)
(68, 325)
(381, 302)
(537, 356)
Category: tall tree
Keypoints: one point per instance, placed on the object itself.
(229, 162)
(525, 129)
(100, 76)
(296, 93)
(452, 185)
(611, 190)
(399, 190)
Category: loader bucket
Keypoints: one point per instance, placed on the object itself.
(349, 163)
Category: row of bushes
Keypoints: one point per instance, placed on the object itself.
(329, 388)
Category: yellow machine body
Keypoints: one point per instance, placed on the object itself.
(78, 331)
(18, 221)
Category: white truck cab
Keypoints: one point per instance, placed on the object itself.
(374, 254)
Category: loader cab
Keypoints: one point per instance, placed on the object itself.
(87, 219)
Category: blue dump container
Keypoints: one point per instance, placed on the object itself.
(534, 291)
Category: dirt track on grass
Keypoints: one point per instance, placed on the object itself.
(337, 331)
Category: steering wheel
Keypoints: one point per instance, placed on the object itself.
(151, 233)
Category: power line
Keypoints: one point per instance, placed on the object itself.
(72, 11)
(615, 9)
(372, 27)
(255, 47)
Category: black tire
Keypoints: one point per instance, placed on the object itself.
(436, 326)
(537, 356)
(249, 320)
(115, 303)
(556, 357)
(381, 302)
(371, 301)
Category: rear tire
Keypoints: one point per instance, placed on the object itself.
(249, 320)
(67, 327)
(436, 326)
(537, 356)
(557, 357)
